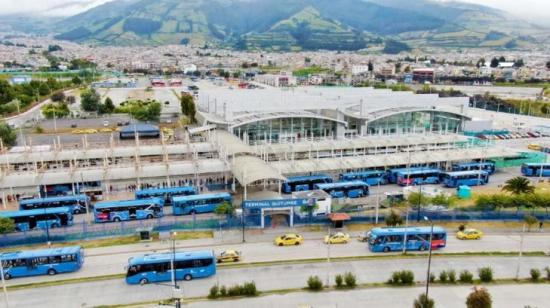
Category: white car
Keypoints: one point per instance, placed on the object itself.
(105, 123)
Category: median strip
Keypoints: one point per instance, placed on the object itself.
(287, 262)
(363, 286)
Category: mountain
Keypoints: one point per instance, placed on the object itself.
(295, 24)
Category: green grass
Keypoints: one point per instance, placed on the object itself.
(116, 241)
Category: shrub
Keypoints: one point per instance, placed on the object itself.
(547, 270)
(407, 277)
(223, 291)
(452, 276)
(432, 277)
(423, 302)
(339, 280)
(485, 274)
(214, 291)
(479, 298)
(466, 277)
(395, 278)
(393, 219)
(462, 227)
(350, 280)
(235, 290)
(535, 274)
(443, 276)
(249, 289)
(314, 283)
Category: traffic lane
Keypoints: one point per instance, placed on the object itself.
(113, 292)
(109, 264)
(450, 296)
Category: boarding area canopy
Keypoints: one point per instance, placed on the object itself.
(249, 169)
(376, 161)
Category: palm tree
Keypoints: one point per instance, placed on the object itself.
(519, 185)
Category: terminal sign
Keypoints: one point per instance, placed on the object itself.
(262, 204)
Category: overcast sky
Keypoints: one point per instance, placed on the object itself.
(524, 8)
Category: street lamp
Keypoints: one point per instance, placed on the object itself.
(430, 255)
(174, 280)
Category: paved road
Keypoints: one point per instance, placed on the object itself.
(112, 260)
(504, 296)
(266, 278)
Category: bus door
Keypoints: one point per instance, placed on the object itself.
(394, 242)
(133, 213)
(163, 272)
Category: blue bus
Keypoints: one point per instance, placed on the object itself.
(418, 177)
(42, 262)
(534, 169)
(488, 167)
(78, 202)
(371, 177)
(352, 189)
(469, 178)
(158, 267)
(128, 210)
(41, 218)
(166, 193)
(417, 238)
(394, 173)
(196, 204)
(302, 183)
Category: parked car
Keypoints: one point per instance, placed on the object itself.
(289, 239)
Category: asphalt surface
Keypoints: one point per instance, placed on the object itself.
(112, 260)
(504, 296)
(111, 292)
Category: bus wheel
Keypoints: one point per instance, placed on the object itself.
(54, 226)
(143, 281)
(7, 276)
(51, 272)
(150, 216)
(386, 249)
(187, 277)
(193, 212)
(116, 219)
(422, 248)
(77, 211)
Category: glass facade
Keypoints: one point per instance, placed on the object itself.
(282, 130)
(416, 122)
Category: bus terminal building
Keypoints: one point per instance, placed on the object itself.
(258, 137)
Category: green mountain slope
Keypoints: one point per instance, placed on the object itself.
(288, 24)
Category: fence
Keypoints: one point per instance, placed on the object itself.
(82, 231)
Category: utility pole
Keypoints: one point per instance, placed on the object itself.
(177, 300)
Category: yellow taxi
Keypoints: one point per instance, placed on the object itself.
(289, 239)
(228, 256)
(534, 147)
(469, 234)
(337, 238)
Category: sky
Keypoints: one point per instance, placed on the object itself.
(528, 9)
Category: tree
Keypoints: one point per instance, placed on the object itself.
(494, 62)
(416, 199)
(423, 302)
(444, 200)
(548, 65)
(393, 219)
(7, 135)
(109, 107)
(530, 220)
(90, 100)
(7, 225)
(502, 59)
(43, 89)
(480, 62)
(309, 209)
(479, 298)
(519, 63)
(188, 107)
(58, 96)
(7, 93)
(518, 185)
(76, 80)
(225, 208)
(371, 66)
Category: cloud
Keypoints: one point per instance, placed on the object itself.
(48, 7)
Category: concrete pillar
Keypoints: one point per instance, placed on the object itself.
(291, 222)
(262, 221)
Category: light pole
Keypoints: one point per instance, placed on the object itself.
(429, 255)
(406, 229)
(520, 252)
(174, 279)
